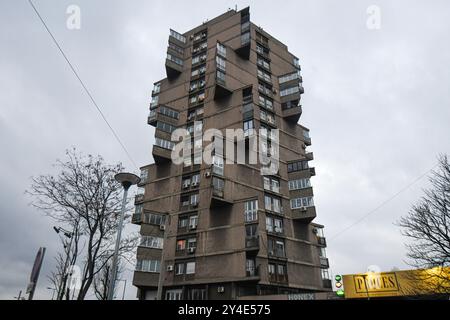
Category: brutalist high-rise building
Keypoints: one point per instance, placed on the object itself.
(223, 231)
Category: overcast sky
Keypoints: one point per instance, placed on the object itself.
(376, 101)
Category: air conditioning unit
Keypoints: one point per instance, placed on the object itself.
(221, 289)
(186, 185)
(191, 36)
(315, 231)
(191, 250)
(207, 174)
(185, 203)
(302, 208)
(194, 184)
(195, 204)
(192, 227)
(170, 267)
(162, 227)
(271, 253)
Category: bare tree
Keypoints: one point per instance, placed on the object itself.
(427, 225)
(103, 278)
(83, 195)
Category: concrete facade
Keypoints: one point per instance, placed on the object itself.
(228, 248)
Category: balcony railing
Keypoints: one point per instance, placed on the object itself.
(292, 114)
(278, 278)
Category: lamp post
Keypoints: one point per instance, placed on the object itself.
(126, 180)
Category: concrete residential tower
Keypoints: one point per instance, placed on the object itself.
(223, 231)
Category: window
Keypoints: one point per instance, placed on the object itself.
(302, 202)
(194, 199)
(179, 268)
(154, 101)
(251, 210)
(195, 180)
(168, 112)
(193, 221)
(198, 71)
(175, 59)
(156, 88)
(220, 63)
(176, 48)
(299, 184)
(177, 36)
(175, 294)
(220, 75)
(265, 102)
(298, 165)
(250, 266)
(165, 127)
(263, 63)
(217, 165)
(221, 50)
(148, 265)
(288, 91)
(262, 50)
(264, 75)
(218, 184)
(306, 135)
(290, 104)
(154, 218)
(199, 58)
(192, 243)
(281, 270)
(199, 47)
(248, 127)
(265, 88)
(296, 62)
(251, 230)
(276, 247)
(190, 267)
(181, 245)
(164, 143)
(183, 222)
(272, 184)
(271, 268)
(262, 39)
(196, 294)
(289, 77)
(325, 274)
(272, 203)
(144, 175)
(274, 224)
(151, 242)
(322, 252)
(245, 38)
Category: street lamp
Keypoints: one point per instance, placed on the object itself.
(126, 180)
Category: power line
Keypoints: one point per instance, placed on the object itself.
(82, 84)
(384, 202)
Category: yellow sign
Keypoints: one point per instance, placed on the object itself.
(397, 283)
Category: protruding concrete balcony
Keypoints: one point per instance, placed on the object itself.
(161, 155)
(292, 114)
(309, 156)
(305, 214)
